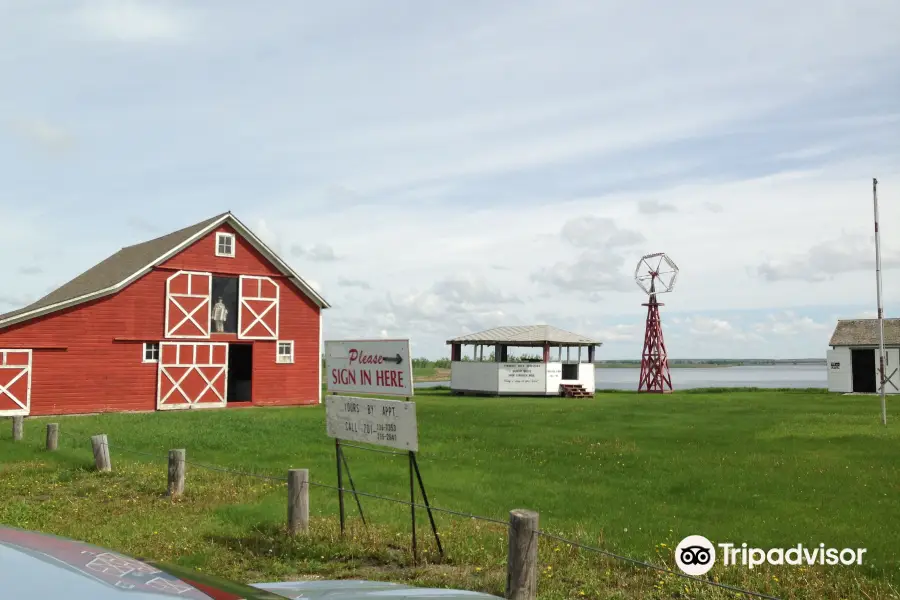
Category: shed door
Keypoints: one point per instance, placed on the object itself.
(15, 382)
(191, 375)
(187, 305)
(258, 311)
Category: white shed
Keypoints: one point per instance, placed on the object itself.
(569, 373)
(853, 361)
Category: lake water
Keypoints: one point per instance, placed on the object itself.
(766, 376)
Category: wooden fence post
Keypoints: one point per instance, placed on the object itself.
(101, 452)
(521, 565)
(176, 472)
(52, 436)
(18, 428)
(298, 501)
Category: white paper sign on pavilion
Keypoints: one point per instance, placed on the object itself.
(550, 362)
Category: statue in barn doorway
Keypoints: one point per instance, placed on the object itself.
(219, 314)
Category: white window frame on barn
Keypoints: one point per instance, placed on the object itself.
(281, 357)
(225, 245)
(151, 349)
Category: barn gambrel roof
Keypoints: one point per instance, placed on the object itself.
(131, 262)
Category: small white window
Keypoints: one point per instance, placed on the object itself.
(285, 352)
(225, 244)
(151, 352)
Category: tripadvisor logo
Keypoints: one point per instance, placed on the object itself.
(696, 555)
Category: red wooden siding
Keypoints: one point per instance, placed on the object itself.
(275, 383)
(97, 374)
(201, 256)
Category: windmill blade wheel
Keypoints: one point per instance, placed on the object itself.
(656, 273)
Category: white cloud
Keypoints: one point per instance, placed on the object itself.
(827, 259)
(354, 283)
(426, 149)
(627, 332)
(43, 135)
(132, 20)
(654, 207)
(711, 326)
(319, 252)
(791, 324)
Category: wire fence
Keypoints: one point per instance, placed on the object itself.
(457, 513)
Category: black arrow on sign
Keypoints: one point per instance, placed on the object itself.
(397, 359)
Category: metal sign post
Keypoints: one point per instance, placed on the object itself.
(390, 423)
(880, 306)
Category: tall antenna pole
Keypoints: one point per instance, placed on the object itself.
(880, 306)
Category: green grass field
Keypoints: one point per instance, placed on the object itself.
(631, 473)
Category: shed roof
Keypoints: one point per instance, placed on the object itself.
(115, 272)
(526, 335)
(864, 332)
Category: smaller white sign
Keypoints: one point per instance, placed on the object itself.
(369, 367)
(381, 422)
(523, 377)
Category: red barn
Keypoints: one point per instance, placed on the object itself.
(204, 317)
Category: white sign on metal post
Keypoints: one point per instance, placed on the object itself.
(369, 367)
(381, 422)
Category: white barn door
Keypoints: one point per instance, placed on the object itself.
(192, 375)
(15, 383)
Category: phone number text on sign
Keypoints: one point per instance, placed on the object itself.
(389, 423)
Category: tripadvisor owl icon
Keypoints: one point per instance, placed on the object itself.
(695, 555)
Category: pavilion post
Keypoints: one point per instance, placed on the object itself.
(546, 353)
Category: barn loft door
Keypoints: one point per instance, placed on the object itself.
(15, 382)
(187, 305)
(191, 375)
(258, 311)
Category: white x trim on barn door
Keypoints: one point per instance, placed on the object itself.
(176, 385)
(188, 316)
(5, 389)
(258, 318)
(186, 358)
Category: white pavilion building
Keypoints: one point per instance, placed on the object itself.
(564, 367)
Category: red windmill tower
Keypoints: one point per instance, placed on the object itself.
(655, 274)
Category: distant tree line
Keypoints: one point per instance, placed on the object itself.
(444, 363)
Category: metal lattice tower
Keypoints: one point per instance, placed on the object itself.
(655, 274)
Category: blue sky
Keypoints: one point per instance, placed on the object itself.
(439, 168)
